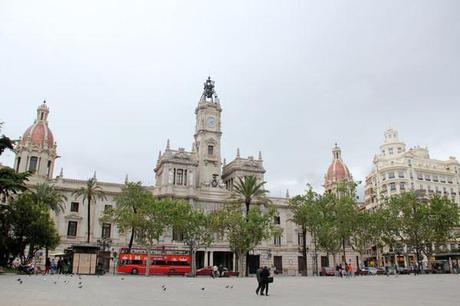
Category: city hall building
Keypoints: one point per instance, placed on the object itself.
(199, 176)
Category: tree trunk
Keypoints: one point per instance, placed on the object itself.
(89, 219)
(248, 204)
(193, 259)
(304, 251)
(316, 255)
(147, 264)
(241, 267)
(344, 254)
(131, 239)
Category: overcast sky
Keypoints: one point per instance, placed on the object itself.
(294, 77)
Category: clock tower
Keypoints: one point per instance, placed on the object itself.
(207, 136)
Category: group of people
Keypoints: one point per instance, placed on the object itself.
(344, 269)
(218, 271)
(263, 279)
(59, 267)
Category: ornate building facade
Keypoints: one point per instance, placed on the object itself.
(199, 176)
(396, 169)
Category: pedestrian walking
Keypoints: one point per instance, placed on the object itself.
(59, 266)
(259, 281)
(47, 265)
(264, 276)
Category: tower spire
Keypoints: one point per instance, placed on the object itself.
(237, 152)
(336, 152)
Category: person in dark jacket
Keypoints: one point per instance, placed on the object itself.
(264, 275)
(259, 281)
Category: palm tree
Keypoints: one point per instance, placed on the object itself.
(47, 195)
(91, 192)
(247, 190)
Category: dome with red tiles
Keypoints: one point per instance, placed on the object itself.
(39, 133)
(337, 171)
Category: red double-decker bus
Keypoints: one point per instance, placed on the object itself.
(162, 261)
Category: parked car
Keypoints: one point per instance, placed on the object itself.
(327, 271)
(207, 271)
(362, 272)
(373, 271)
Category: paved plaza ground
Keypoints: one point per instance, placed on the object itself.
(139, 290)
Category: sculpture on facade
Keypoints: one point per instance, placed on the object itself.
(208, 91)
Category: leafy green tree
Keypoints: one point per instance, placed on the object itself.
(344, 208)
(247, 191)
(5, 143)
(421, 223)
(196, 228)
(91, 192)
(443, 218)
(154, 217)
(47, 195)
(306, 212)
(245, 232)
(12, 183)
(29, 225)
(369, 230)
(126, 212)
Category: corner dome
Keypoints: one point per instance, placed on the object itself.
(337, 171)
(39, 133)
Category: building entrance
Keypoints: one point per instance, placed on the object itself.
(223, 258)
(253, 263)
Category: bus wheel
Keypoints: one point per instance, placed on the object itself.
(134, 271)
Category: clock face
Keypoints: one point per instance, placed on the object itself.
(211, 122)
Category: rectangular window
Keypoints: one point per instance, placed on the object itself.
(48, 169)
(277, 220)
(428, 177)
(210, 150)
(401, 174)
(409, 163)
(419, 176)
(435, 178)
(277, 240)
(449, 180)
(402, 186)
(392, 186)
(177, 235)
(33, 164)
(299, 239)
(179, 177)
(106, 227)
(391, 175)
(107, 207)
(72, 228)
(74, 206)
(442, 179)
(17, 165)
(390, 150)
